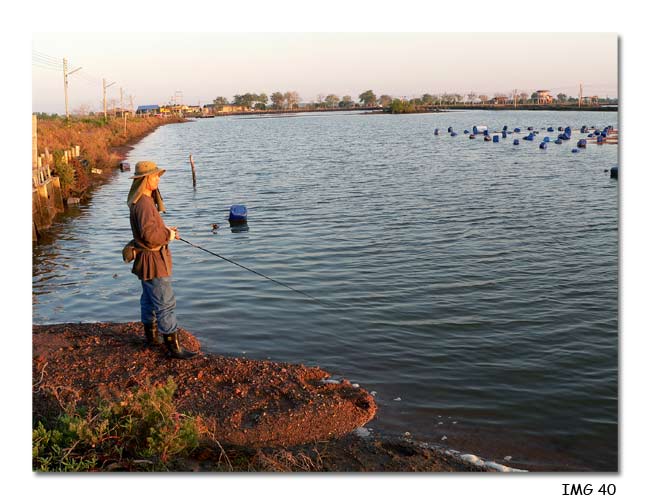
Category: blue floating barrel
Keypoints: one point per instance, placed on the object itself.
(547, 139)
(590, 135)
(436, 132)
(600, 139)
(505, 128)
(472, 136)
(465, 132)
(450, 129)
(558, 142)
(486, 133)
(238, 214)
(516, 142)
(613, 173)
(604, 133)
(495, 138)
(517, 130)
(124, 166)
(543, 145)
(504, 134)
(453, 133)
(597, 132)
(474, 130)
(550, 130)
(583, 129)
(560, 128)
(582, 143)
(530, 128)
(574, 150)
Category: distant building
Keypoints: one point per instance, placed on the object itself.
(544, 97)
(148, 110)
(235, 108)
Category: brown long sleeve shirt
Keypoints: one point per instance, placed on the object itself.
(150, 232)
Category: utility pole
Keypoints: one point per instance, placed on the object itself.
(580, 99)
(65, 85)
(104, 87)
(121, 101)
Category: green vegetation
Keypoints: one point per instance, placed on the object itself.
(398, 106)
(141, 431)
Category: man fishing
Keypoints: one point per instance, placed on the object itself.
(153, 260)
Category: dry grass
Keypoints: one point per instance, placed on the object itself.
(97, 140)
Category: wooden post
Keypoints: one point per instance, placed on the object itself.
(125, 114)
(193, 172)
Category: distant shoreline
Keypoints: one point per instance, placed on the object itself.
(422, 110)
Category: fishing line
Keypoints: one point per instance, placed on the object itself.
(253, 271)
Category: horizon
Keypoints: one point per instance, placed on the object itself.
(195, 68)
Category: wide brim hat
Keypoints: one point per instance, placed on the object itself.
(146, 168)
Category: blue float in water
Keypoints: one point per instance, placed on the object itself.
(558, 141)
(486, 133)
(530, 128)
(517, 130)
(590, 135)
(582, 143)
(450, 129)
(465, 132)
(474, 130)
(436, 132)
(574, 150)
(550, 130)
(516, 142)
(613, 173)
(543, 145)
(547, 139)
(505, 128)
(495, 138)
(600, 139)
(238, 214)
(504, 134)
(453, 133)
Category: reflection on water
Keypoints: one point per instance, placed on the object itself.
(476, 281)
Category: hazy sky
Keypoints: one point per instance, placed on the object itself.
(153, 66)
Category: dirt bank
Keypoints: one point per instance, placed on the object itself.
(267, 416)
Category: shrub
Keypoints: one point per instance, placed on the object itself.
(142, 430)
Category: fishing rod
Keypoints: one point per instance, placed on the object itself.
(252, 271)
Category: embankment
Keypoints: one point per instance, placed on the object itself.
(266, 416)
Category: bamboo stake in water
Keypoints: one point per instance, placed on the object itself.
(193, 172)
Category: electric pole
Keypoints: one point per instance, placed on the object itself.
(104, 87)
(65, 85)
(580, 99)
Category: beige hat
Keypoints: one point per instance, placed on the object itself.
(144, 168)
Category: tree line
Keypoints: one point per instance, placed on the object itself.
(290, 100)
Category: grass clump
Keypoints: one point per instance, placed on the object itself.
(140, 431)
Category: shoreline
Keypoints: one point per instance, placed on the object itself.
(309, 423)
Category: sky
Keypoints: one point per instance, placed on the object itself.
(153, 67)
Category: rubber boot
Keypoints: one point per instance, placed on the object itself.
(174, 348)
(151, 335)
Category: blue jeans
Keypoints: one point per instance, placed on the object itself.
(158, 303)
